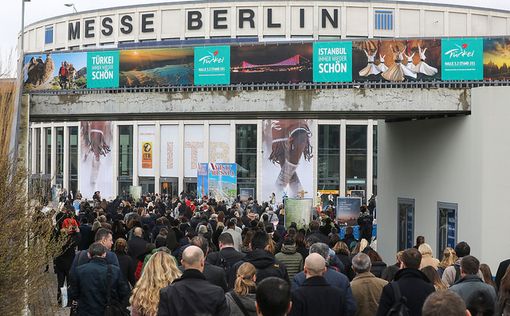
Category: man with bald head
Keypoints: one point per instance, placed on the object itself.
(192, 294)
(137, 245)
(315, 296)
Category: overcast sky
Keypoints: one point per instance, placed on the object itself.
(10, 13)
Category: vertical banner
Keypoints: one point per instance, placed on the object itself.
(451, 235)
(212, 65)
(103, 69)
(287, 166)
(146, 143)
(496, 58)
(169, 151)
(462, 59)
(202, 180)
(298, 211)
(332, 61)
(410, 226)
(348, 210)
(222, 181)
(193, 149)
(96, 162)
(219, 143)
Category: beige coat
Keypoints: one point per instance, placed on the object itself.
(367, 289)
(427, 260)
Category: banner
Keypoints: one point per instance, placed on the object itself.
(348, 210)
(287, 162)
(202, 180)
(169, 151)
(332, 61)
(462, 59)
(96, 162)
(212, 65)
(146, 143)
(496, 58)
(246, 193)
(103, 69)
(223, 181)
(156, 67)
(298, 211)
(271, 63)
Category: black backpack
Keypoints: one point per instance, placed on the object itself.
(399, 308)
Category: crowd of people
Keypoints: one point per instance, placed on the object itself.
(183, 256)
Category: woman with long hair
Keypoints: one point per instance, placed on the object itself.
(487, 275)
(433, 277)
(449, 258)
(504, 295)
(344, 255)
(241, 300)
(159, 272)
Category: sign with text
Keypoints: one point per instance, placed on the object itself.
(212, 65)
(462, 59)
(103, 69)
(332, 61)
(348, 209)
(147, 155)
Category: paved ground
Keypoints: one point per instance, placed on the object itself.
(45, 302)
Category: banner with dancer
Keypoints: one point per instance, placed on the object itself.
(96, 162)
(287, 161)
(298, 211)
(396, 60)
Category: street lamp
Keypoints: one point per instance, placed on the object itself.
(71, 5)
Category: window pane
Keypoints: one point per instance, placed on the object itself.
(48, 35)
(73, 159)
(38, 150)
(328, 165)
(125, 159)
(60, 153)
(246, 156)
(356, 157)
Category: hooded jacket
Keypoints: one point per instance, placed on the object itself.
(291, 259)
(265, 264)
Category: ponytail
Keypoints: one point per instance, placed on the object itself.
(244, 283)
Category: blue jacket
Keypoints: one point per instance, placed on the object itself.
(90, 285)
(335, 279)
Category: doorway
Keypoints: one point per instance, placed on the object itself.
(446, 226)
(405, 223)
(147, 184)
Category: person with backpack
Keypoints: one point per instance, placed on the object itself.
(405, 296)
(226, 258)
(452, 273)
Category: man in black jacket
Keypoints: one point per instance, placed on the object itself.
(316, 296)
(412, 283)
(212, 273)
(136, 245)
(264, 262)
(180, 298)
(226, 258)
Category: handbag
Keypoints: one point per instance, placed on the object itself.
(113, 307)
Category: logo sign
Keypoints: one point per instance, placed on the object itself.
(147, 155)
(103, 69)
(462, 59)
(212, 65)
(332, 62)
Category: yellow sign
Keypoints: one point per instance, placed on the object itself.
(147, 155)
(328, 191)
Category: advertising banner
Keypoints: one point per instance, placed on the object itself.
(462, 59)
(156, 67)
(348, 210)
(55, 71)
(287, 161)
(169, 151)
(223, 181)
(103, 69)
(246, 193)
(219, 143)
(271, 63)
(298, 211)
(212, 65)
(202, 180)
(146, 143)
(496, 58)
(193, 149)
(332, 61)
(96, 162)
(396, 60)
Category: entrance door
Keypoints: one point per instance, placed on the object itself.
(169, 186)
(190, 186)
(147, 184)
(446, 226)
(405, 223)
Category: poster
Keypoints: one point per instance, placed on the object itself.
(290, 63)
(156, 67)
(103, 69)
(332, 61)
(496, 58)
(396, 60)
(169, 151)
(96, 162)
(219, 143)
(55, 71)
(462, 59)
(348, 210)
(135, 191)
(223, 181)
(212, 65)
(287, 161)
(246, 193)
(146, 143)
(298, 211)
(202, 180)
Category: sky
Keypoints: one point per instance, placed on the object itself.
(35, 10)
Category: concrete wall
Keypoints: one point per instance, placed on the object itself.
(460, 160)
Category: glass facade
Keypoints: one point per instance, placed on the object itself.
(328, 164)
(125, 179)
(246, 156)
(356, 158)
(48, 150)
(73, 159)
(59, 131)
